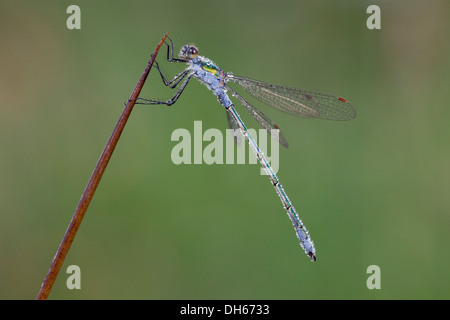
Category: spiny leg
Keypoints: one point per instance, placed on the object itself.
(172, 83)
(176, 79)
(167, 102)
(170, 49)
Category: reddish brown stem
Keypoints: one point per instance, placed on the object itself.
(88, 193)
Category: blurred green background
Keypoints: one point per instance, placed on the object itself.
(372, 191)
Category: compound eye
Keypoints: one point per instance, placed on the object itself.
(192, 53)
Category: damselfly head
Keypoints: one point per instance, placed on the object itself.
(188, 52)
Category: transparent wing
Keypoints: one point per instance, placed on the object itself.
(263, 120)
(304, 103)
(233, 126)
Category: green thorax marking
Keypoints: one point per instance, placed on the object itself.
(211, 68)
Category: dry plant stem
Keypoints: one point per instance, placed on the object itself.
(88, 193)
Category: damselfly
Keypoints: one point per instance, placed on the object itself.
(298, 102)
